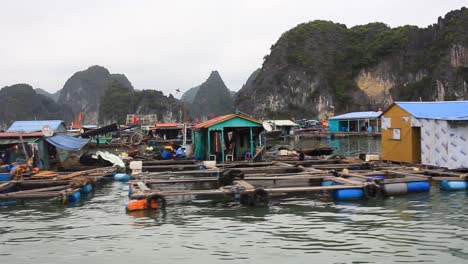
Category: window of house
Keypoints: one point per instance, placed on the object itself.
(396, 134)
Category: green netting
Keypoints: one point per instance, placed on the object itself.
(199, 143)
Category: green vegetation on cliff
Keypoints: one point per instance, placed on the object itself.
(21, 102)
(321, 68)
(120, 100)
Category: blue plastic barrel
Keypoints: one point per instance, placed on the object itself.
(122, 177)
(87, 188)
(453, 185)
(166, 154)
(421, 186)
(74, 197)
(330, 183)
(7, 190)
(5, 177)
(348, 194)
(376, 177)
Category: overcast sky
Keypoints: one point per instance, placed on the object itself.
(166, 45)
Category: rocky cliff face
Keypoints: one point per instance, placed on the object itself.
(84, 90)
(168, 108)
(190, 94)
(213, 98)
(321, 68)
(21, 102)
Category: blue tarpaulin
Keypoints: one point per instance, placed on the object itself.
(67, 142)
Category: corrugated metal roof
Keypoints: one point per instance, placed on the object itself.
(17, 135)
(223, 118)
(167, 125)
(447, 110)
(34, 126)
(282, 122)
(357, 115)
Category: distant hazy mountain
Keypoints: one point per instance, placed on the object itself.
(84, 90)
(55, 96)
(190, 94)
(21, 102)
(213, 98)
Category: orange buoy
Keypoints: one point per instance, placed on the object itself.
(135, 205)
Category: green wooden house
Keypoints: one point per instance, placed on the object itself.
(229, 137)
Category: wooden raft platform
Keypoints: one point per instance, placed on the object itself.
(251, 184)
(51, 185)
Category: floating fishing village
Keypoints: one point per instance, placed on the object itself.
(228, 158)
(233, 132)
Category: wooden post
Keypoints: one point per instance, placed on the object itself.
(26, 155)
(222, 145)
(184, 142)
(348, 125)
(251, 145)
(209, 145)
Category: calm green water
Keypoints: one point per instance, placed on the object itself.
(419, 228)
(348, 146)
(430, 228)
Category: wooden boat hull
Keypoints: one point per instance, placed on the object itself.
(316, 151)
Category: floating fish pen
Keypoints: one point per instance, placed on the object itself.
(255, 183)
(251, 186)
(171, 165)
(67, 187)
(246, 168)
(328, 163)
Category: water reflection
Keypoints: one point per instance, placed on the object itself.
(348, 146)
(429, 227)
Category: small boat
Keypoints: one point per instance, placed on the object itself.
(316, 151)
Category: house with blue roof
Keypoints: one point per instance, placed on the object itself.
(430, 133)
(39, 146)
(36, 126)
(355, 122)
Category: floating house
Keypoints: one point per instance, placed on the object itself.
(44, 141)
(355, 122)
(167, 131)
(431, 133)
(285, 126)
(228, 137)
